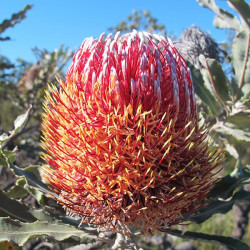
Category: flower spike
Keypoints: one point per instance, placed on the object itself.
(121, 135)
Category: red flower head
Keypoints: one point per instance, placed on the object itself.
(122, 136)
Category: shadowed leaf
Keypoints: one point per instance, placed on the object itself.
(229, 242)
(218, 80)
(203, 92)
(14, 209)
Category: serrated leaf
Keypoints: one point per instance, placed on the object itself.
(19, 233)
(9, 154)
(3, 138)
(30, 174)
(31, 179)
(230, 130)
(203, 92)
(229, 242)
(229, 20)
(19, 123)
(231, 150)
(17, 192)
(218, 80)
(240, 53)
(32, 190)
(241, 119)
(48, 214)
(14, 209)
(222, 23)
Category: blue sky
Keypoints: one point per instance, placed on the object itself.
(51, 23)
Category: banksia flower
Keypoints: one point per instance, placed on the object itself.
(194, 42)
(121, 135)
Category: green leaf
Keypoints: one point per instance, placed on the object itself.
(246, 174)
(19, 124)
(230, 130)
(48, 214)
(222, 23)
(231, 149)
(17, 192)
(14, 209)
(3, 137)
(31, 174)
(241, 63)
(224, 19)
(31, 178)
(223, 194)
(19, 233)
(229, 242)
(243, 9)
(219, 206)
(218, 80)
(32, 190)
(241, 118)
(224, 188)
(22, 188)
(9, 154)
(203, 92)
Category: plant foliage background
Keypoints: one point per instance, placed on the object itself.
(221, 76)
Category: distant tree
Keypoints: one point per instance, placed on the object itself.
(140, 20)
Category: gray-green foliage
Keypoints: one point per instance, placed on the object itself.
(140, 20)
(231, 91)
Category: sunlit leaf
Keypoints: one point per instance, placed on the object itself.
(224, 19)
(19, 233)
(241, 62)
(219, 80)
(242, 8)
(19, 123)
(230, 130)
(231, 150)
(9, 154)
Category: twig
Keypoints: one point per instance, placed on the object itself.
(124, 239)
